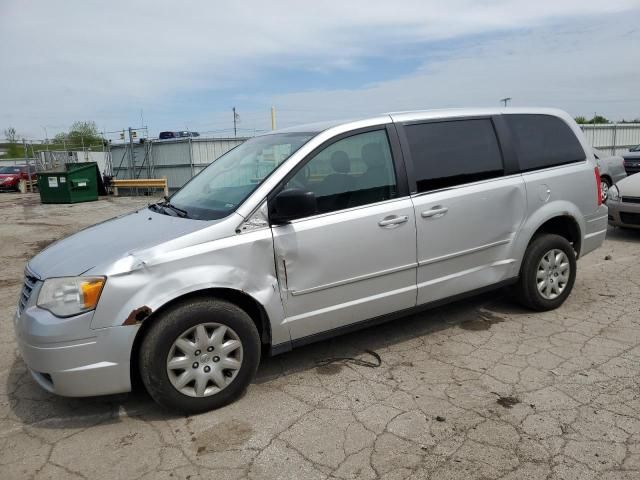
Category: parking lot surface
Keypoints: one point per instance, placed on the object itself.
(476, 389)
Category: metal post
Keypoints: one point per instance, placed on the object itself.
(235, 115)
(152, 165)
(191, 157)
(108, 163)
(46, 135)
(104, 156)
(615, 134)
(131, 158)
(26, 157)
(147, 152)
(33, 155)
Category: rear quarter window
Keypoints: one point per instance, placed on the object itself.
(455, 152)
(543, 141)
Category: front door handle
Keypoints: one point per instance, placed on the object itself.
(435, 212)
(393, 220)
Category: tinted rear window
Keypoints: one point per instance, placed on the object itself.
(452, 153)
(543, 141)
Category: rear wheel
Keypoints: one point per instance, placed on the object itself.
(548, 273)
(199, 355)
(605, 185)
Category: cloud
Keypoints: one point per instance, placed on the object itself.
(589, 68)
(69, 60)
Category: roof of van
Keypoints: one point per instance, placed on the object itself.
(412, 115)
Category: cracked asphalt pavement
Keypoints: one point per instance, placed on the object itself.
(476, 389)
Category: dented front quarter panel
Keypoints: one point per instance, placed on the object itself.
(214, 257)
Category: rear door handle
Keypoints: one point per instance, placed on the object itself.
(393, 220)
(435, 212)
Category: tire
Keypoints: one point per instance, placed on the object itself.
(225, 324)
(528, 290)
(605, 185)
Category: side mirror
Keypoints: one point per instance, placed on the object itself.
(291, 204)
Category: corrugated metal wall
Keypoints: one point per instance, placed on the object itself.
(615, 138)
(177, 160)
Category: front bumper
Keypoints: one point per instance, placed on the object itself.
(624, 214)
(66, 357)
(9, 186)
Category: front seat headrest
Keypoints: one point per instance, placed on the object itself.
(373, 155)
(340, 162)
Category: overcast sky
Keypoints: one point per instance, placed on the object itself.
(184, 65)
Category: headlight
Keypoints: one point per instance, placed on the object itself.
(69, 296)
(613, 194)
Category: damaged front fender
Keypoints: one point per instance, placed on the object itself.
(138, 315)
(239, 262)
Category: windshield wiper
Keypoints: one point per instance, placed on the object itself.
(181, 213)
(167, 204)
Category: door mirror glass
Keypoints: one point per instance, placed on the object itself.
(291, 204)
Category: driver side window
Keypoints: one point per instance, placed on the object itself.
(351, 172)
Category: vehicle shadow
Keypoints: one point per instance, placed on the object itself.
(475, 313)
(37, 408)
(623, 234)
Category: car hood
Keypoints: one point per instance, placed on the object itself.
(630, 186)
(631, 156)
(106, 242)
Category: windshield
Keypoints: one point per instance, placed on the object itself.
(228, 181)
(9, 170)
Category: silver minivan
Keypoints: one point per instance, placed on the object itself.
(305, 233)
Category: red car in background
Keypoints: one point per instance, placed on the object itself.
(10, 176)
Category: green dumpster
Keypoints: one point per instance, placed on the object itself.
(77, 183)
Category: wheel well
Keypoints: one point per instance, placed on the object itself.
(566, 227)
(608, 178)
(247, 303)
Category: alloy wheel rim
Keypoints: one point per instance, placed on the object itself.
(553, 273)
(604, 186)
(204, 359)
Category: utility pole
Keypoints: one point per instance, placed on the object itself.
(273, 117)
(505, 101)
(235, 117)
(26, 157)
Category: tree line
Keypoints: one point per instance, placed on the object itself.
(600, 120)
(81, 135)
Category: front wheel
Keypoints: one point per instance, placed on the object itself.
(548, 273)
(199, 355)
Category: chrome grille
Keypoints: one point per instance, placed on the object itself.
(28, 286)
